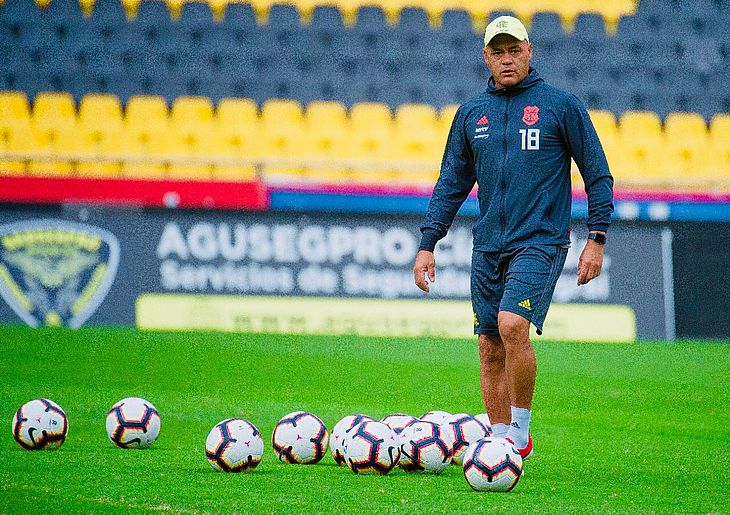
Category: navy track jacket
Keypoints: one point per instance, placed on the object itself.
(516, 143)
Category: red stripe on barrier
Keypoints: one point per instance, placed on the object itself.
(190, 194)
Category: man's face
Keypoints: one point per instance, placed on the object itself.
(508, 59)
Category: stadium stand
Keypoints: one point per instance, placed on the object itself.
(349, 90)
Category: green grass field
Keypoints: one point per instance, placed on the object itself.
(626, 429)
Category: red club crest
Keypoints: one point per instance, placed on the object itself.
(530, 116)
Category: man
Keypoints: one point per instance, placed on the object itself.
(516, 141)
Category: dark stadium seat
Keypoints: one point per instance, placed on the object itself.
(196, 23)
(456, 22)
(238, 18)
(413, 20)
(370, 19)
(546, 28)
(498, 13)
(108, 11)
(283, 17)
(327, 19)
(590, 27)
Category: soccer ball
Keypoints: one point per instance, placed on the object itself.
(234, 445)
(372, 448)
(40, 424)
(424, 448)
(398, 421)
(492, 464)
(439, 417)
(133, 423)
(340, 432)
(300, 437)
(467, 430)
(484, 419)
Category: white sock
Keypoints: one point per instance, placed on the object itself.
(500, 430)
(520, 427)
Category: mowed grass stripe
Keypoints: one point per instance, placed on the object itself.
(639, 428)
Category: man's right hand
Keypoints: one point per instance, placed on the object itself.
(425, 263)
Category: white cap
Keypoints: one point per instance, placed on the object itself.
(505, 25)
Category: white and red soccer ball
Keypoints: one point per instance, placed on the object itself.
(234, 445)
(437, 416)
(466, 430)
(133, 423)
(492, 464)
(40, 424)
(300, 437)
(372, 448)
(340, 432)
(398, 421)
(425, 447)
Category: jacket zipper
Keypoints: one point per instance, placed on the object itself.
(502, 181)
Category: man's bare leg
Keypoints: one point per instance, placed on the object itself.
(521, 368)
(493, 379)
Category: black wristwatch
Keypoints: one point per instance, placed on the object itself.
(597, 237)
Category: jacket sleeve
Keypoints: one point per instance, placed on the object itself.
(586, 150)
(456, 180)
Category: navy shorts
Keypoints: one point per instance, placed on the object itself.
(521, 281)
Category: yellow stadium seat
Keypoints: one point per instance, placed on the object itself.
(720, 130)
(56, 149)
(146, 111)
(322, 112)
(325, 134)
(445, 119)
(686, 150)
(367, 115)
(685, 127)
(15, 138)
(238, 129)
(53, 110)
(236, 111)
(409, 116)
(145, 153)
(719, 150)
(643, 144)
(189, 154)
(14, 106)
(280, 112)
(186, 110)
(281, 137)
(228, 154)
(102, 149)
(605, 124)
(100, 112)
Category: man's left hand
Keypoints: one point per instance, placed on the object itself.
(590, 262)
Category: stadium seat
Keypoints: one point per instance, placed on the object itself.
(642, 144)
(103, 149)
(16, 136)
(238, 134)
(686, 138)
(14, 106)
(546, 28)
(54, 143)
(191, 112)
(325, 139)
(371, 139)
(147, 111)
(53, 110)
(145, 151)
(720, 147)
(100, 111)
